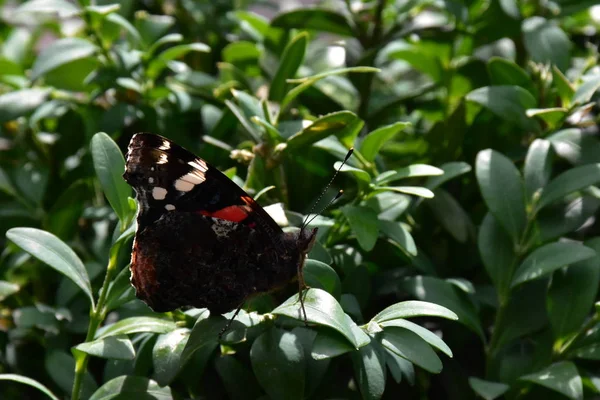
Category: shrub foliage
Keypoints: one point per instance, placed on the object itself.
(463, 260)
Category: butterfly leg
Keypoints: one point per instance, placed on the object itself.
(228, 324)
(302, 290)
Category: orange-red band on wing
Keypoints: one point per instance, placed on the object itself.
(231, 213)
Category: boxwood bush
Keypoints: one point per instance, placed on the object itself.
(462, 262)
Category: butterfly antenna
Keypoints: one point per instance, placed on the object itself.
(306, 220)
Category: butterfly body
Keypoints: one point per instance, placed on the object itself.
(201, 240)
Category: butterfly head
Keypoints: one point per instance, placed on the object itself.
(306, 239)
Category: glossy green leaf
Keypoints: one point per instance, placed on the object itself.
(412, 309)
(131, 387)
(53, 252)
(419, 58)
(7, 289)
(166, 355)
(487, 389)
(320, 275)
(568, 182)
(451, 170)
(448, 211)
(506, 72)
(396, 232)
(314, 19)
(442, 297)
(373, 142)
(551, 116)
(584, 93)
(591, 352)
(413, 190)
(61, 52)
(561, 377)
(361, 175)
(110, 165)
(28, 381)
(369, 370)
(502, 189)
(548, 258)
(309, 81)
(409, 345)
(40, 11)
(572, 293)
(497, 253)
(329, 344)
(291, 60)
(507, 102)
(112, 347)
(546, 42)
(364, 224)
(21, 103)
(120, 290)
(238, 380)
(538, 167)
(428, 336)
(343, 124)
(412, 171)
(122, 22)
(321, 309)
(563, 86)
(161, 61)
(576, 146)
(131, 325)
(278, 361)
(204, 337)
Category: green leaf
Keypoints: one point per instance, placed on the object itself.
(369, 370)
(361, 175)
(61, 52)
(428, 336)
(443, 295)
(278, 361)
(502, 190)
(314, 19)
(538, 167)
(551, 116)
(572, 293)
(396, 232)
(487, 389)
(373, 142)
(204, 337)
(322, 276)
(132, 387)
(410, 346)
(563, 86)
(548, 258)
(329, 344)
(412, 171)
(412, 309)
(451, 170)
(561, 377)
(238, 380)
(343, 124)
(28, 381)
(166, 355)
(586, 90)
(508, 103)
(40, 11)
(568, 182)
(112, 347)
(321, 309)
(159, 62)
(591, 352)
(131, 325)
(576, 146)
(290, 62)
(364, 224)
(7, 289)
(110, 165)
(120, 290)
(53, 252)
(309, 81)
(497, 253)
(506, 72)
(118, 20)
(21, 103)
(448, 211)
(419, 58)
(546, 42)
(414, 190)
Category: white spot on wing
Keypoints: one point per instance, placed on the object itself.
(159, 193)
(183, 186)
(165, 145)
(199, 164)
(162, 159)
(189, 180)
(151, 180)
(169, 207)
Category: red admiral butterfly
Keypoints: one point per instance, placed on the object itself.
(201, 240)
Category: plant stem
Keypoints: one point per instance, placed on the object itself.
(97, 315)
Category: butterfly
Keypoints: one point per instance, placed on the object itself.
(201, 240)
